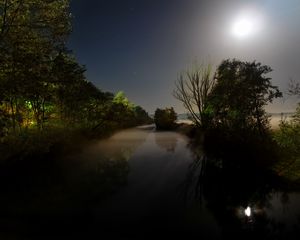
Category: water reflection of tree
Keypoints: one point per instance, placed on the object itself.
(106, 169)
(227, 190)
(43, 194)
(166, 141)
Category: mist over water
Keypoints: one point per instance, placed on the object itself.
(141, 183)
(164, 194)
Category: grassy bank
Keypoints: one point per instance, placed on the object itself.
(52, 141)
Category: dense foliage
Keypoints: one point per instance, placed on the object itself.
(42, 87)
(240, 95)
(165, 118)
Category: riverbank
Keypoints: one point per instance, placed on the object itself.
(282, 162)
(36, 144)
(52, 141)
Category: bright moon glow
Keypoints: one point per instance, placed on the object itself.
(242, 28)
(248, 211)
(248, 23)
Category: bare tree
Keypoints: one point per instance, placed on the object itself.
(192, 89)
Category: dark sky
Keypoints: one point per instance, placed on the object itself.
(140, 46)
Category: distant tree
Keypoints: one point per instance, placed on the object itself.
(296, 116)
(192, 89)
(120, 98)
(241, 92)
(294, 88)
(127, 113)
(141, 116)
(165, 118)
(288, 135)
(119, 112)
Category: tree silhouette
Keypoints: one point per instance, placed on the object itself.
(165, 118)
(192, 89)
(241, 92)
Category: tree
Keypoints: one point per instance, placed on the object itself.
(32, 33)
(294, 88)
(120, 98)
(71, 89)
(192, 89)
(165, 118)
(41, 83)
(141, 116)
(241, 92)
(288, 136)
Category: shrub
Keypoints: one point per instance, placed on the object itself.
(165, 118)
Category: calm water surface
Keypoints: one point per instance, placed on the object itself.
(144, 184)
(163, 193)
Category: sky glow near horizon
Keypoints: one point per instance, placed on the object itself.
(141, 46)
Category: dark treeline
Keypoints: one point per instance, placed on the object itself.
(42, 86)
(227, 107)
(233, 98)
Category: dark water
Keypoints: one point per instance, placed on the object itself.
(143, 184)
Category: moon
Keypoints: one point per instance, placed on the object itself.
(242, 28)
(248, 23)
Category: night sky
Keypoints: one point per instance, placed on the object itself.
(140, 46)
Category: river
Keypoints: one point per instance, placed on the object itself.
(145, 184)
